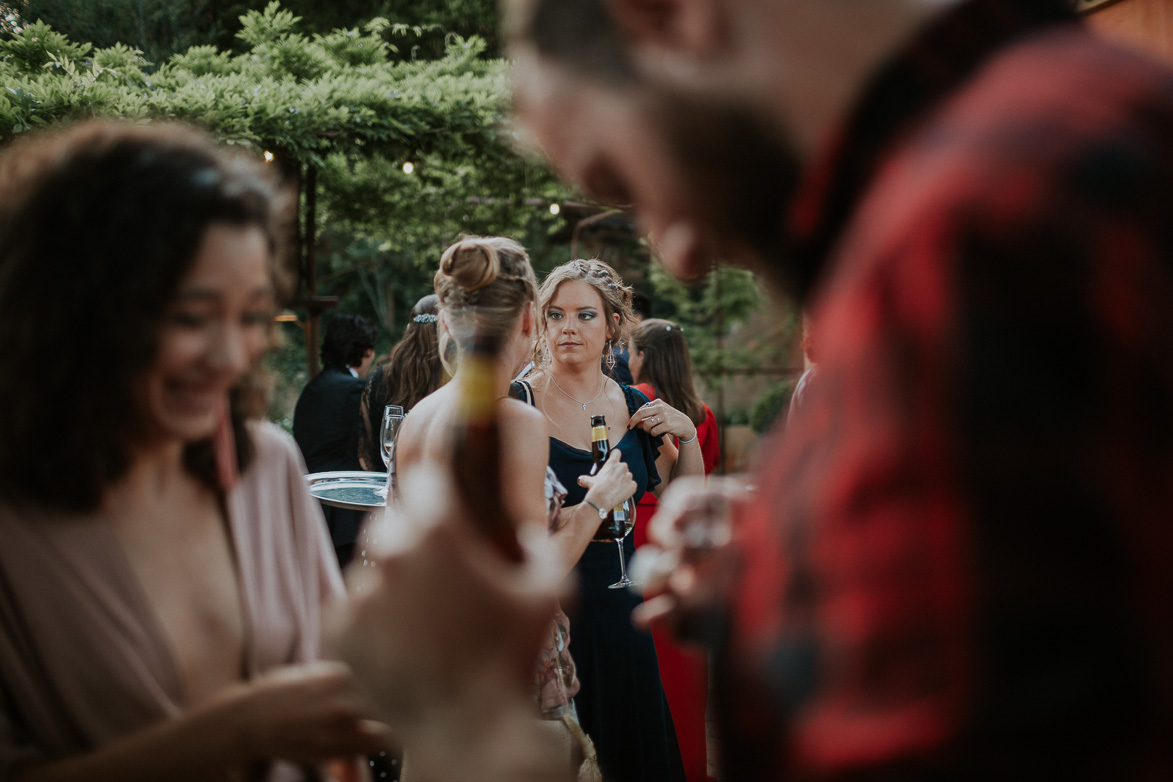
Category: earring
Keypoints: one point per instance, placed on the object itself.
(224, 448)
(610, 355)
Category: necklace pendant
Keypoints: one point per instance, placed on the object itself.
(584, 408)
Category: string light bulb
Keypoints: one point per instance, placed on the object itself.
(268, 156)
(408, 167)
(555, 209)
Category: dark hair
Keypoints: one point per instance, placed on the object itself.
(667, 366)
(348, 338)
(486, 278)
(414, 369)
(641, 304)
(98, 226)
(582, 34)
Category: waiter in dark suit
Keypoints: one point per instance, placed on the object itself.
(326, 419)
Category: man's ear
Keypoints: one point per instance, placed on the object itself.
(678, 26)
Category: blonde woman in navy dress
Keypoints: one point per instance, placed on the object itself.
(584, 310)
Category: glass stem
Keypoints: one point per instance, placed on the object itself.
(622, 561)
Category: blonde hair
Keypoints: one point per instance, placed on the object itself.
(483, 283)
(606, 281)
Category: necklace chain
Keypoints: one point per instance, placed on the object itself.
(579, 401)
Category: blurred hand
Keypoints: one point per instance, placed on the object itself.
(307, 714)
(610, 486)
(688, 562)
(441, 630)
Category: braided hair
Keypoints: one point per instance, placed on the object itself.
(615, 294)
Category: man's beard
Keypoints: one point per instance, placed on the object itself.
(743, 175)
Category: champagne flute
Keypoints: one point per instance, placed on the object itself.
(392, 418)
(623, 524)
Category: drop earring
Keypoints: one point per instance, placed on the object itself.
(610, 356)
(224, 448)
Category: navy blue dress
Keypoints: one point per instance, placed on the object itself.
(621, 704)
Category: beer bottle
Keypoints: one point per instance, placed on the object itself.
(478, 447)
(613, 523)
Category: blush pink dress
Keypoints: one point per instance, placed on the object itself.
(83, 661)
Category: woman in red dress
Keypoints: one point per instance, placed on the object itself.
(662, 369)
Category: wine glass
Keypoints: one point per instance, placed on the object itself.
(624, 523)
(392, 418)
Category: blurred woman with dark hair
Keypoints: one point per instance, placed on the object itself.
(662, 368)
(412, 371)
(164, 568)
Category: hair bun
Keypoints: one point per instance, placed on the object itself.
(470, 264)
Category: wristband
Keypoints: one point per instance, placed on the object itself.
(695, 432)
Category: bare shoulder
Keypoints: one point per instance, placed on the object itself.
(518, 416)
(418, 436)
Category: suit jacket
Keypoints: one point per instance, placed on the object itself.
(325, 425)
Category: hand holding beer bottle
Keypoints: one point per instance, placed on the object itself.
(614, 523)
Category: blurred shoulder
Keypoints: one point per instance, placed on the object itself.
(275, 448)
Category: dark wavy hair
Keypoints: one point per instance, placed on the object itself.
(667, 366)
(414, 370)
(348, 338)
(98, 225)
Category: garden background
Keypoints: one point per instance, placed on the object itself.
(389, 121)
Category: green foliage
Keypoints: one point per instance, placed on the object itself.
(268, 27)
(203, 61)
(38, 46)
(770, 404)
(710, 311)
(162, 28)
(306, 97)
(355, 104)
(159, 27)
(339, 102)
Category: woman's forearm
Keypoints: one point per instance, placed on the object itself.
(579, 524)
(690, 460)
(204, 744)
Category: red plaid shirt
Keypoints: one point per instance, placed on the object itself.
(961, 562)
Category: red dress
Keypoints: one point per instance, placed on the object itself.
(683, 670)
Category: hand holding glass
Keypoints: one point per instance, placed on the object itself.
(617, 526)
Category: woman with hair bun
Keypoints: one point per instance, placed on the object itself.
(412, 371)
(486, 285)
(584, 311)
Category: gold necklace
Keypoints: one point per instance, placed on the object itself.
(568, 396)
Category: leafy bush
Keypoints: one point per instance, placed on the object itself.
(769, 405)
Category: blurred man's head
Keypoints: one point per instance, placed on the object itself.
(697, 113)
(706, 180)
(349, 342)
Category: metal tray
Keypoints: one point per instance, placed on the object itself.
(356, 490)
